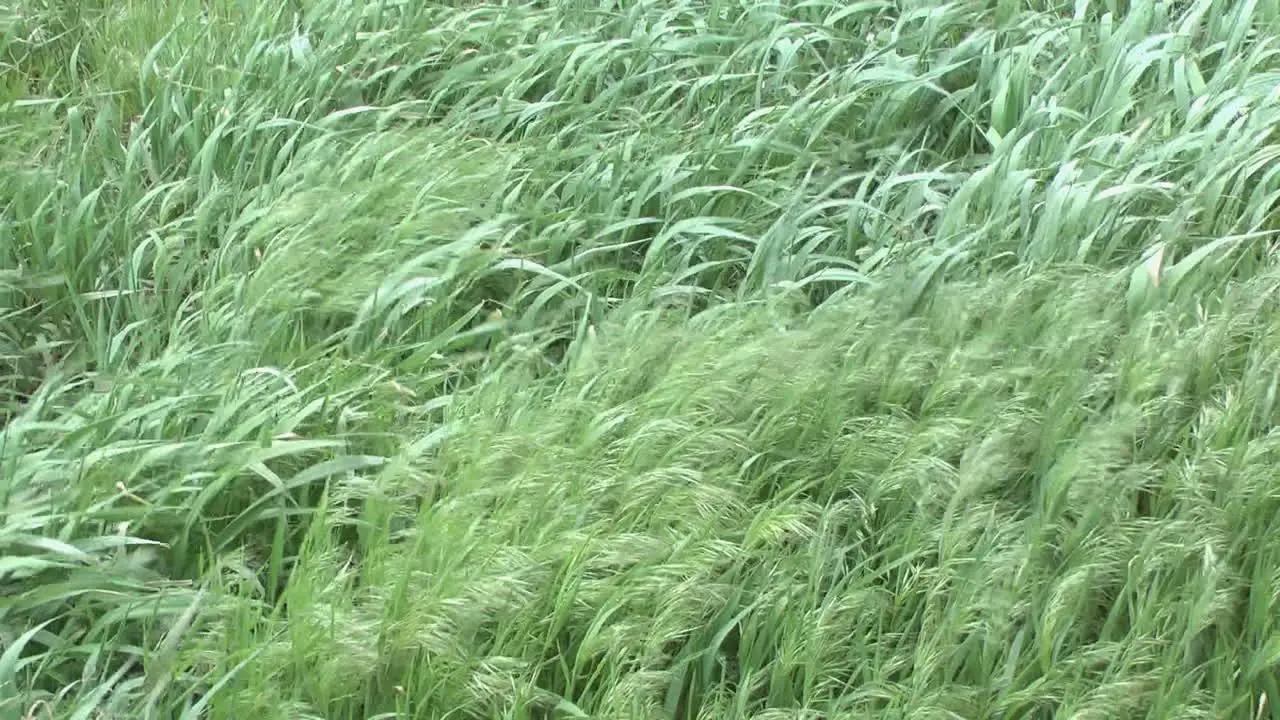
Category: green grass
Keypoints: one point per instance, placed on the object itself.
(692, 359)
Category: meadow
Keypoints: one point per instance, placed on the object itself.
(639, 359)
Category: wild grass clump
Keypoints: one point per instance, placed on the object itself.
(638, 360)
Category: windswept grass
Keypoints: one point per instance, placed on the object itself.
(694, 359)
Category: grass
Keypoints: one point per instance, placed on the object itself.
(692, 359)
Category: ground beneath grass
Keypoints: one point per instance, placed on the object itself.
(639, 360)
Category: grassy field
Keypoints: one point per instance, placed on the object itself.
(773, 359)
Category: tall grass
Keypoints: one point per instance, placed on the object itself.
(693, 359)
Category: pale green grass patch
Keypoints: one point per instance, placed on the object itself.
(638, 360)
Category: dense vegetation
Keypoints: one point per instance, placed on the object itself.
(639, 359)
